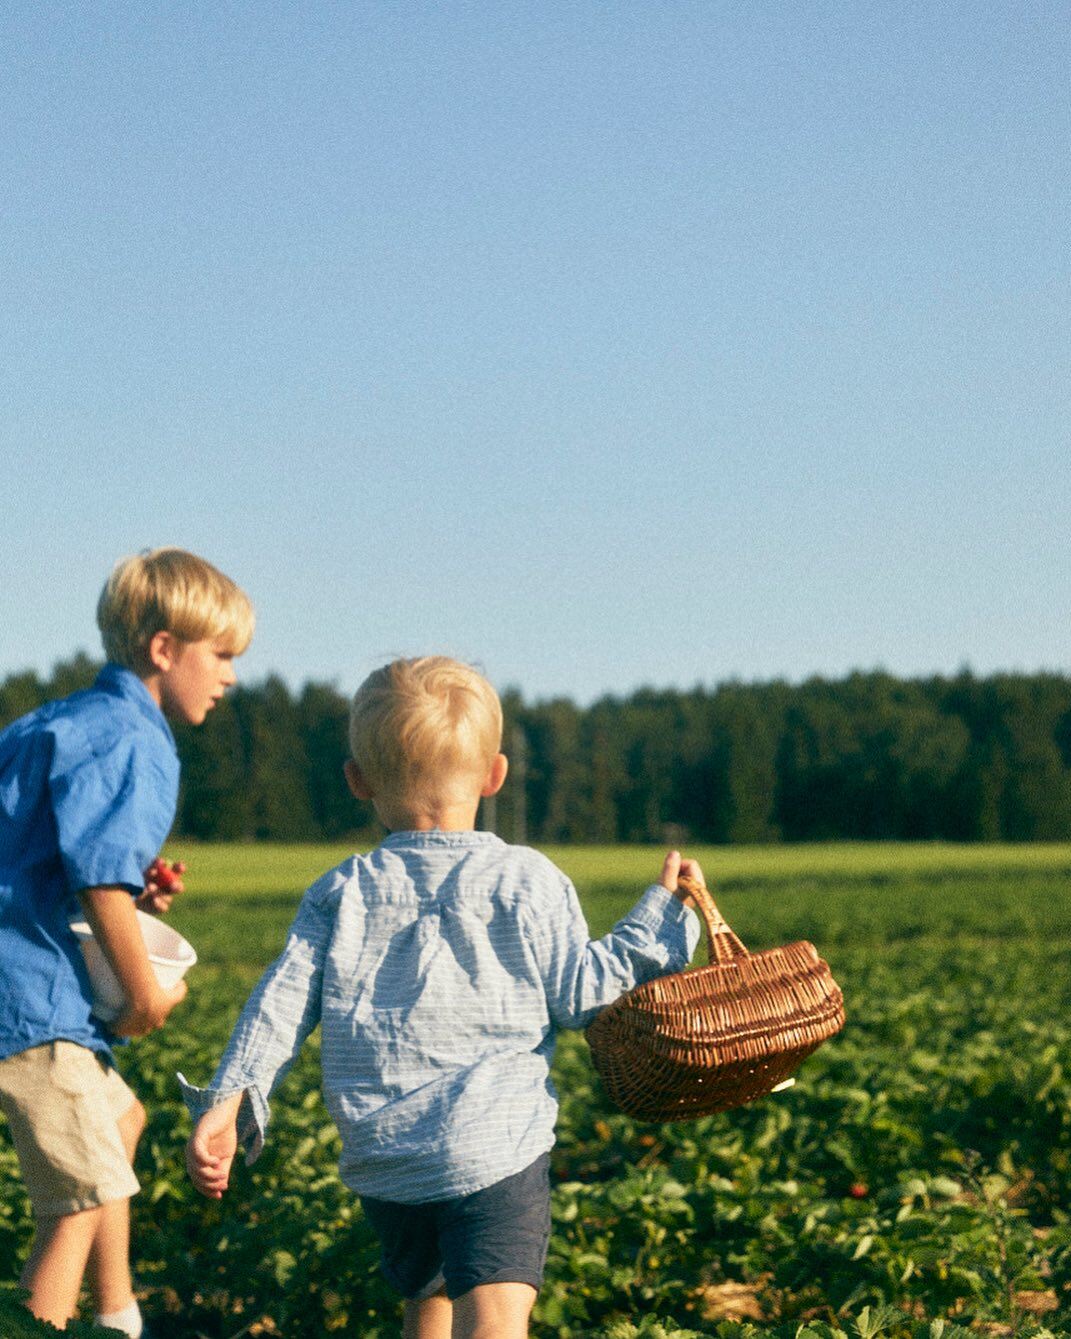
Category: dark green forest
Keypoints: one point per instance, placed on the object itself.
(868, 757)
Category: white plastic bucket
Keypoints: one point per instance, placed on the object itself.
(171, 957)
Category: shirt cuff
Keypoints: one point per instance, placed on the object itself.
(253, 1113)
(666, 916)
(104, 866)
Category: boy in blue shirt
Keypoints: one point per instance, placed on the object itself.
(440, 967)
(88, 787)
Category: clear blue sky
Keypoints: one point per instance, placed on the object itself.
(605, 344)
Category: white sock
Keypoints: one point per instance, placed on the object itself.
(128, 1321)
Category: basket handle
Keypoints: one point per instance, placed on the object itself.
(722, 945)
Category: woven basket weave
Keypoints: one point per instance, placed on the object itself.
(711, 1038)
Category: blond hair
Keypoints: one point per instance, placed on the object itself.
(170, 590)
(425, 731)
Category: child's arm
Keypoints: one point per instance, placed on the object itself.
(113, 920)
(271, 1029)
(582, 975)
(210, 1151)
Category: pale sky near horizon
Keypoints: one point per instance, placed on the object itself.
(603, 344)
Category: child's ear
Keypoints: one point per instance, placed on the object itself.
(496, 776)
(356, 782)
(163, 650)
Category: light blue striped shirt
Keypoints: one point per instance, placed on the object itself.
(440, 967)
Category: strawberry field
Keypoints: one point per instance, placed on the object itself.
(916, 1181)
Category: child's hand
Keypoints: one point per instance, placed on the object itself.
(211, 1149)
(162, 882)
(672, 868)
(140, 1017)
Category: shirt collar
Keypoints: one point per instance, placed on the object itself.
(436, 837)
(124, 683)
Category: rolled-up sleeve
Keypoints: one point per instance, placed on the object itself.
(582, 976)
(278, 1017)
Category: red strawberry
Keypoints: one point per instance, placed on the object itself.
(858, 1190)
(163, 875)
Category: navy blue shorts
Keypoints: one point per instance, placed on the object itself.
(496, 1235)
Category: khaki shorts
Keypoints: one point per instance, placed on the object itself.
(63, 1103)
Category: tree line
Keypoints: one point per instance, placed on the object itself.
(869, 756)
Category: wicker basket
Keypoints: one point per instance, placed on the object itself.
(715, 1037)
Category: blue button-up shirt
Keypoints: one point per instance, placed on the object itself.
(441, 966)
(88, 787)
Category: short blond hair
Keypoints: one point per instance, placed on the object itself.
(170, 590)
(424, 731)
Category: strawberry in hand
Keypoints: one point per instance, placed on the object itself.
(162, 882)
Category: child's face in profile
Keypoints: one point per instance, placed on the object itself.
(196, 679)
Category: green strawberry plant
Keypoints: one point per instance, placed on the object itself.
(914, 1184)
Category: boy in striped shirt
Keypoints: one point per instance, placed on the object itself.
(440, 967)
